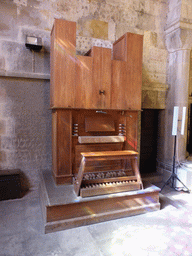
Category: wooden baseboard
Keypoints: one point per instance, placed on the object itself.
(60, 180)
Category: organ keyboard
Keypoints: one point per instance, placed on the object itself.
(92, 183)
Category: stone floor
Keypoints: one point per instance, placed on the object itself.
(165, 232)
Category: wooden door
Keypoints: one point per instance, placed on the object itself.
(101, 84)
(63, 58)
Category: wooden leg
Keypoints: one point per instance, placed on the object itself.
(77, 182)
(136, 170)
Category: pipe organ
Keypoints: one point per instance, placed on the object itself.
(95, 101)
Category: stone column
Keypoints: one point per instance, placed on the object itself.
(179, 43)
(177, 95)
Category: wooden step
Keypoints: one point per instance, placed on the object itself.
(62, 209)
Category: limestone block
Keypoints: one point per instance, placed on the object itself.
(158, 55)
(8, 26)
(186, 38)
(150, 78)
(2, 63)
(186, 10)
(149, 40)
(111, 30)
(105, 12)
(1, 110)
(10, 126)
(20, 2)
(161, 9)
(161, 97)
(116, 2)
(2, 156)
(7, 142)
(3, 94)
(154, 99)
(156, 66)
(70, 10)
(30, 15)
(93, 28)
(129, 17)
(7, 108)
(146, 6)
(122, 28)
(2, 127)
(11, 161)
(18, 57)
(146, 21)
(41, 62)
(149, 98)
(138, 5)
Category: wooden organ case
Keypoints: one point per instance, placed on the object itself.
(95, 101)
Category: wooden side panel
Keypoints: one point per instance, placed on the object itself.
(127, 84)
(134, 45)
(101, 77)
(54, 142)
(119, 96)
(62, 145)
(52, 66)
(83, 92)
(131, 130)
(119, 49)
(63, 63)
(106, 77)
(97, 64)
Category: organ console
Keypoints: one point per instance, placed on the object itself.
(95, 100)
(102, 165)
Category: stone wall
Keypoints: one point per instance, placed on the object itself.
(107, 20)
(25, 118)
(25, 131)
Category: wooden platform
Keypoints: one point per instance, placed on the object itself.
(62, 209)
